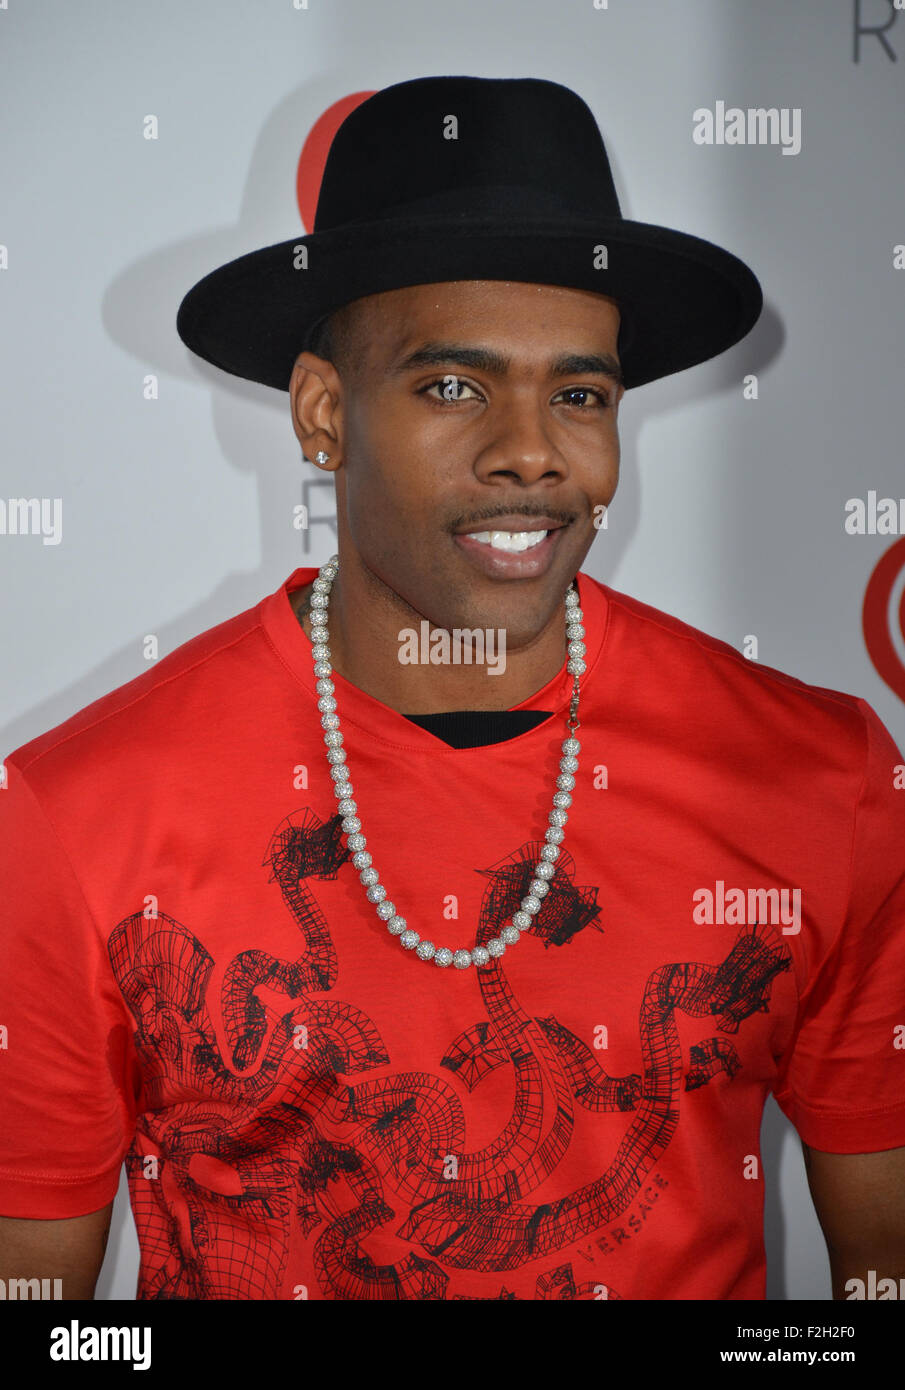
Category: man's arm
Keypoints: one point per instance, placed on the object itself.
(71, 1250)
(860, 1203)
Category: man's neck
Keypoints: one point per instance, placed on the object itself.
(370, 661)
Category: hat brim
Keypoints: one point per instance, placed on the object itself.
(683, 300)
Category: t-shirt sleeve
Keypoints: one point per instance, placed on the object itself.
(843, 1080)
(66, 1107)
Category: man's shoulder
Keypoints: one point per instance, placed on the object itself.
(697, 663)
(144, 710)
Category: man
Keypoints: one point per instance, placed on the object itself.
(437, 927)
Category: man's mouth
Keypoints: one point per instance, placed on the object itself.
(509, 540)
(512, 552)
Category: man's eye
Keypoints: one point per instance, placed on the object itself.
(449, 388)
(453, 388)
(600, 396)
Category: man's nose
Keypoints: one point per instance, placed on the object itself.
(521, 445)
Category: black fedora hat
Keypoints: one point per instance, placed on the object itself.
(472, 178)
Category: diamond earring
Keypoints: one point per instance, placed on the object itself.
(321, 456)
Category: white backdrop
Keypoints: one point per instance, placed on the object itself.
(177, 510)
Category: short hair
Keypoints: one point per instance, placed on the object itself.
(333, 338)
(322, 342)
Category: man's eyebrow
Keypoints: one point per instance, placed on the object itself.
(486, 360)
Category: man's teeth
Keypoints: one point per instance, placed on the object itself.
(509, 540)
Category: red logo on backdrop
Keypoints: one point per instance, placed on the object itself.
(314, 154)
(877, 622)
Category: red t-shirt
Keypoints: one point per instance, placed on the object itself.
(192, 979)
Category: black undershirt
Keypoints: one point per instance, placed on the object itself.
(472, 728)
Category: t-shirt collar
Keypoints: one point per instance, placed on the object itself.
(380, 721)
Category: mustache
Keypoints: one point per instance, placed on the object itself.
(529, 514)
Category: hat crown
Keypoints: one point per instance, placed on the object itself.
(467, 145)
(445, 179)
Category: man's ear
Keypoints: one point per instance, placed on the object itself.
(315, 402)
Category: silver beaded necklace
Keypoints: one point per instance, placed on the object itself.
(348, 809)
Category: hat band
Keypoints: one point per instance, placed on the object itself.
(505, 201)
